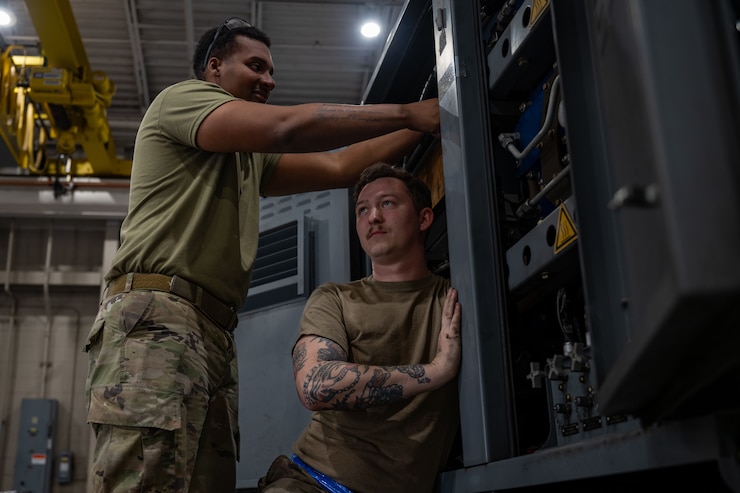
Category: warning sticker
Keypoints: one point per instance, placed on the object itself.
(538, 7)
(38, 459)
(566, 232)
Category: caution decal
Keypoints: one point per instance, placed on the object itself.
(566, 230)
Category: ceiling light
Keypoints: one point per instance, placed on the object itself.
(6, 18)
(370, 29)
(28, 60)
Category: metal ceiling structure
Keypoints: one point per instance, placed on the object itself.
(145, 45)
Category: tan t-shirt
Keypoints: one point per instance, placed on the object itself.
(398, 447)
(191, 213)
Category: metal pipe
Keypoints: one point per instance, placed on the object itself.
(73, 378)
(531, 203)
(79, 183)
(12, 354)
(134, 31)
(47, 307)
(189, 31)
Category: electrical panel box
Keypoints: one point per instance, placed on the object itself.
(34, 465)
(65, 467)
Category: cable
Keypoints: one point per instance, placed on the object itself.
(508, 140)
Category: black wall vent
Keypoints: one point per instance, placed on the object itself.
(279, 270)
(277, 255)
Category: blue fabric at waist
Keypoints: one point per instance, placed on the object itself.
(325, 481)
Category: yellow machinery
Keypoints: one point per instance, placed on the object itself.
(56, 98)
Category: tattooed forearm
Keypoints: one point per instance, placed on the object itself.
(330, 381)
(345, 112)
(339, 384)
(415, 371)
(376, 393)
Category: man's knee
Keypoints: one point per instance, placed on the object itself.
(284, 476)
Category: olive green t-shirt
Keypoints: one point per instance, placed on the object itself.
(192, 213)
(399, 447)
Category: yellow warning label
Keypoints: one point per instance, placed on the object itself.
(566, 232)
(538, 7)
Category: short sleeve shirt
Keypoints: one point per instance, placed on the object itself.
(192, 213)
(398, 447)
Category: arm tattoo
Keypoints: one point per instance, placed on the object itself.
(299, 357)
(334, 380)
(376, 393)
(321, 384)
(330, 379)
(346, 112)
(332, 351)
(415, 371)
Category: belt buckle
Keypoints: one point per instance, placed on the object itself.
(233, 321)
(185, 289)
(172, 283)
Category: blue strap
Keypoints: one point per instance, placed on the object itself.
(325, 481)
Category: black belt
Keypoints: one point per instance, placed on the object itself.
(215, 309)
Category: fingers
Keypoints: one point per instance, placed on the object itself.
(452, 307)
(453, 328)
(451, 314)
(450, 302)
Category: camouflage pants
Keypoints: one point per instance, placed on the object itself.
(285, 476)
(162, 397)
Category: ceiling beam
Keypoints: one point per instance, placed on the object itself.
(189, 31)
(142, 84)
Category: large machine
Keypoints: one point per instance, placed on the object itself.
(591, 187)
(586, 187)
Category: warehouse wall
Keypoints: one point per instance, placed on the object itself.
(50, 277)
(59, 374)
(53, 254)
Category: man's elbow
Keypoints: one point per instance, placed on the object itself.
(314, 406)
(309, 401)
(311, 404)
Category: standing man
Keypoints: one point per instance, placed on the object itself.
(162, 384)
(376, 359)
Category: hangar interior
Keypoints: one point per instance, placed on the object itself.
(586, 192)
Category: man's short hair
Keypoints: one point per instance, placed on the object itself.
(419, 191)
(223, 45)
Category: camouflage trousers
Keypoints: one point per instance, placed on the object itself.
(162, 397)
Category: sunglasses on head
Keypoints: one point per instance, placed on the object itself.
(230, 23)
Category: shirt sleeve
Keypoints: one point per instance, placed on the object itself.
(186, 105)
(322, 316)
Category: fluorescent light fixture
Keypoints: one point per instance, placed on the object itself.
(28, 60)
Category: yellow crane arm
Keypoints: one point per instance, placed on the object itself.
(64, 96)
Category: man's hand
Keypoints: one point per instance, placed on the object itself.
(426, 116)
(449, 348)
